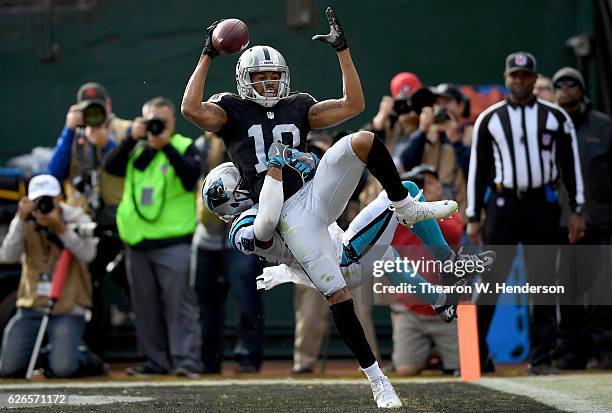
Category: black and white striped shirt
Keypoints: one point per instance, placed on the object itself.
(520, 148)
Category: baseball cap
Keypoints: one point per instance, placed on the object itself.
(405, 84)
(42, 185)
(423, 169)
(91, 91)
(569, 73)
(520, 61)
(417, 174)
(449, 91)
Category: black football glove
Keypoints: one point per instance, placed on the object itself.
(335, 38)
(208, 43)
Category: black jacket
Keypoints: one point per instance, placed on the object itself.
(594, 131)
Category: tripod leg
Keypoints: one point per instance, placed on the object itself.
(37, 344)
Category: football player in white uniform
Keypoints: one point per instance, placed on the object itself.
(256, 231)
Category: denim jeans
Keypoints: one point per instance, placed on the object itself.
(216, 272)
(64, 334)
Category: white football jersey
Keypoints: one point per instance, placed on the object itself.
(242, 237)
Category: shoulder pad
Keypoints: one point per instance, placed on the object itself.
(218, 96)
(301, 97)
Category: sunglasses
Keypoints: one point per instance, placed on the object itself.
(566, 82)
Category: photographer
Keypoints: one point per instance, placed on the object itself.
(443, 140)
(156, 220)
(90, 133)
(416, 327)
(395, 118)
(39, 232)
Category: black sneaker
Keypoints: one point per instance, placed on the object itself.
(446, 312)
(570, 362)
(488, 366)
(97, 367)
(144, 370)
(185, 372)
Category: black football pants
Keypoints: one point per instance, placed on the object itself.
(532, 221)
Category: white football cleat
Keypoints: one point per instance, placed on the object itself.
(384, 394)
(416, 211)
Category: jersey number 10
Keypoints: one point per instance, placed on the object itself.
(256, 132)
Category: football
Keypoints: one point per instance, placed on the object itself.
(230, 36)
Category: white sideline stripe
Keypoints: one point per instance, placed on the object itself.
(208, 383)
(558, 400)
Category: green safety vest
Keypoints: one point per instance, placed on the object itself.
(155, 205)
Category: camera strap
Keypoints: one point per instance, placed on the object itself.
(46, 239)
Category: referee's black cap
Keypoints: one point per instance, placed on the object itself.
(520, 61)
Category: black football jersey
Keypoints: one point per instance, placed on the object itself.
(250, 130)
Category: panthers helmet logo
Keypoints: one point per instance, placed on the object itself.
(216, 195)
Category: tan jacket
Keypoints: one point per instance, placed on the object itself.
(111, 187)
(38, 255)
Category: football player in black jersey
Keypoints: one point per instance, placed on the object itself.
(264, 111)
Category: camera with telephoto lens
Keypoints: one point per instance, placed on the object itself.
(94, 112)
(44, 204)
(440, 115)
(155, 125)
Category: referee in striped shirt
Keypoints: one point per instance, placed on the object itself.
(520, 148)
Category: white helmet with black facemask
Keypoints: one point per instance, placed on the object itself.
(261, 59)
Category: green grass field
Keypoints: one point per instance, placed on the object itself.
(583, 393)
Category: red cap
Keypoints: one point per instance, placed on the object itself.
(405, 84)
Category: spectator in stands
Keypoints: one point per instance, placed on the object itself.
(439, 141)
(586, 332)
(417, 330)
(37, 235)
(457, 106)
(91, 131)
(543, 88)
(219, 269)
(156, 220)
